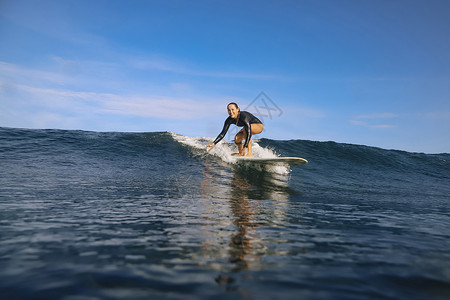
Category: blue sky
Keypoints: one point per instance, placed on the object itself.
(365, 72)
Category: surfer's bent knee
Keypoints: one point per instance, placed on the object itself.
(240, 136)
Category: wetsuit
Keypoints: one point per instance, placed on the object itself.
(244, 120)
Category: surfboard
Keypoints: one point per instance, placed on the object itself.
(293, 161)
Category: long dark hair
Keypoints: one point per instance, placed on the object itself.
(232, 103)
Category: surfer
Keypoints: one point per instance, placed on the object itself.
(251, 124)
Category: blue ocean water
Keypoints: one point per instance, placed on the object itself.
(88, 215)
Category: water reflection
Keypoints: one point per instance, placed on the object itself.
(237, 202)
(240, 207)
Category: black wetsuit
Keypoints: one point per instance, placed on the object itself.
(244, 120)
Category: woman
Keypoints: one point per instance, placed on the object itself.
(251, 124)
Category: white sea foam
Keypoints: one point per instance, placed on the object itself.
(224, 151)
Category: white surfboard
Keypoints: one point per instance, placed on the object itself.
(293, 161)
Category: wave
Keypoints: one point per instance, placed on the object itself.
(168, 146)
(344, 155)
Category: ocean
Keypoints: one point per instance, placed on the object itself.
(90, 215)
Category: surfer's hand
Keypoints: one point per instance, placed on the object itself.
(209, 147)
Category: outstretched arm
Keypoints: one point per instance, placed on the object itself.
(221, 135)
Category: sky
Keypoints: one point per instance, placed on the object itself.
(374, 73)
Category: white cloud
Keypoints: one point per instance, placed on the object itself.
(358, 123)
(16, 73)
(158, 64)
(156, 107)
(369, 125)
(167, 65)
(72, 102)
(371, 120)
(382, 126)
(436, 115)
(70, 92)
(378, 116)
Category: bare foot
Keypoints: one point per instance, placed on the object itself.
(239, 154)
